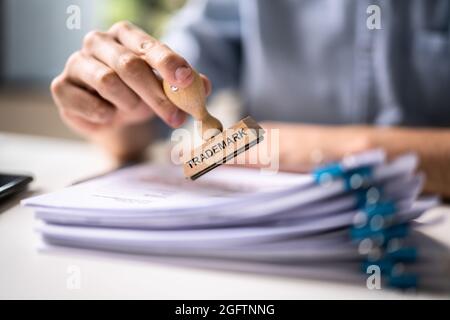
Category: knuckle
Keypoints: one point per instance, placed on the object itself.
(106, 80)
(147, 45)
(57, 85)
(130, 64)
(121, 25)
(73, 59)
(92, 37)
(168, 59)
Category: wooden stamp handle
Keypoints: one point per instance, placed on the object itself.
(192, 100)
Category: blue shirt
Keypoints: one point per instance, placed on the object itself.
(316, 61)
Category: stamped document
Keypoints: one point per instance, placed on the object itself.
(297, 224)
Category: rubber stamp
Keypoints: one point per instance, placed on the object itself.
(219, 146)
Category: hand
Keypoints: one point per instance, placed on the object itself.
(111, 82)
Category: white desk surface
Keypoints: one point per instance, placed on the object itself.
(26, 272)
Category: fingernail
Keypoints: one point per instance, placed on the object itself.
(178, 118)
(183, 73)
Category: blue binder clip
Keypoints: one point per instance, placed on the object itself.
(354, 179)
(396, 231)
(386, 208)
(332, 170)
(368, 196)
(404, 281)
(393, 279)
(406, 254)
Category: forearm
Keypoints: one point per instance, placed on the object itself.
(431, 145)
(302, 147)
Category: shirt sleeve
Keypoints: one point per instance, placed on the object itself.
(207, 34)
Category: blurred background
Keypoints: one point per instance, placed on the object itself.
(35, 42)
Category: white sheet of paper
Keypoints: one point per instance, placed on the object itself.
(150, 196)
(154, 187)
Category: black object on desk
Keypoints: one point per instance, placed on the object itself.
(11, 184)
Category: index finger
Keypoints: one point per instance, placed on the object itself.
(171, 66)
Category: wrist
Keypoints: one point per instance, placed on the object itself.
(126, 143)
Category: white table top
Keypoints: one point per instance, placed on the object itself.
(27, 272)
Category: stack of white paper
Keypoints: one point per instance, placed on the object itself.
(331, 224)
